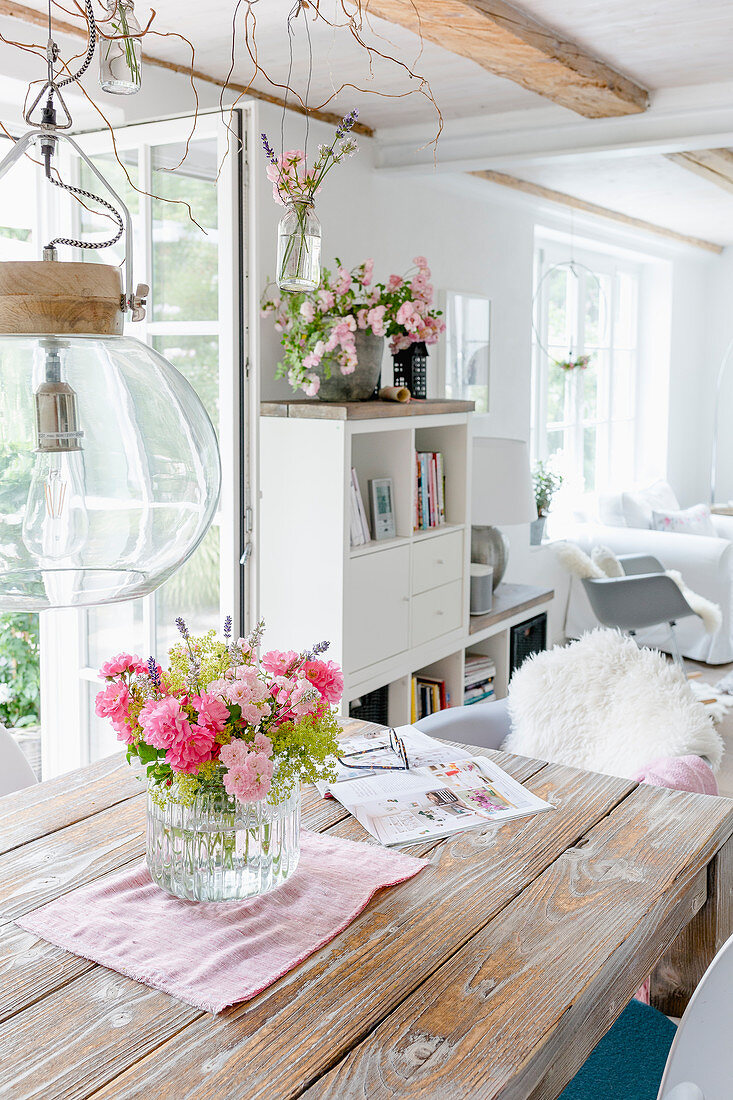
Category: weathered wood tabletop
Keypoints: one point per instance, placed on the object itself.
(492, 973)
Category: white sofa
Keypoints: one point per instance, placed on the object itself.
(705, 562)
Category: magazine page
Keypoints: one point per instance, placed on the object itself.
(370, 753)
(436, 800)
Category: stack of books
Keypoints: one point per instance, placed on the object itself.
(428, 696)
(358, 522)
(429, 490)
(478, 684)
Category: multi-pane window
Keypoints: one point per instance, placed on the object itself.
(193, 319)
(584, 417)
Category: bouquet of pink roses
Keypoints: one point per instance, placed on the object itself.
(318, 329)
(222, 716)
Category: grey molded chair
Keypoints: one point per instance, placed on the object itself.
(15, 771)
(644, 597)
(486, 725)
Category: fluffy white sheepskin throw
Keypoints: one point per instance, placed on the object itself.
(577, 562)
(606, 705)
(607, 561)
(708, 611)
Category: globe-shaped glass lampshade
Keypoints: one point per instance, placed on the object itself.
(108, 507)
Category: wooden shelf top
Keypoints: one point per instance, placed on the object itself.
(509, 600)
(309, 409)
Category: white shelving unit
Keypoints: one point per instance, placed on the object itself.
(390, 608)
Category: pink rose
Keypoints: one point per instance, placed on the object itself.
(375, 320)
(113, 702)
(361, 318)
(394, 282)
(404, 312)
(164, 722)
(213, 714)
(342, 281)
(367, 273)
(311, 385)
(420, 261)
(327, 677)
(121, 664)
(277, 662)
(187, 753)
(326, 300)
(307, 311)
(249, 773)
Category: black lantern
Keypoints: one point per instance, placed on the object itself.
(411, 369)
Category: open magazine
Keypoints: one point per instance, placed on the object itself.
(444, 790)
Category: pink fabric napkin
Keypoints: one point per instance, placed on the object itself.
(680, 773)
(213, 955)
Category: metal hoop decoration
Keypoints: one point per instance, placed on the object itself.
(579, 362)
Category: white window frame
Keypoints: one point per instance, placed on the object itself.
(65, 673)
(548, 254)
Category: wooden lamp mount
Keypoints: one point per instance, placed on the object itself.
(43, 297)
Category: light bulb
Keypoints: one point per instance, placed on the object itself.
(56, 524)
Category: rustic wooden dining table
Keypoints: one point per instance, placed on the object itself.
(492, 973)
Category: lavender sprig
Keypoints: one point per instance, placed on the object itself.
(182, 628)
(154, 674)
(305, 656)
(347, 123)
(227, 628)
(255, 635)
(269, 151)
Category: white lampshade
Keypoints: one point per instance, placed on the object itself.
(502, 485)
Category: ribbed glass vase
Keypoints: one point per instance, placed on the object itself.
(218, 849)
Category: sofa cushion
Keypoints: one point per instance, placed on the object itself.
(688, 521)
(638, 506)
(611, 509)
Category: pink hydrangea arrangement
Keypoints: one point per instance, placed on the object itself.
(222, 717)
(318, 329)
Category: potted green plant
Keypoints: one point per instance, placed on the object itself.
(545, 483)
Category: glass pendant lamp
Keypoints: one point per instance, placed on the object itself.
(109, 466)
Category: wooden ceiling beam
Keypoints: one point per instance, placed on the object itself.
(508, 43)
(714, 165)
(560, 197)
(78, 30)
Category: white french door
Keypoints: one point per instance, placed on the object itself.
(197, 317)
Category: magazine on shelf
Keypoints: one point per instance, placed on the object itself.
(444, 791)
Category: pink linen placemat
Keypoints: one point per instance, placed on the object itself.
(210, 954)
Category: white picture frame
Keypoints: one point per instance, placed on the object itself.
(465, 369)
(381, 499)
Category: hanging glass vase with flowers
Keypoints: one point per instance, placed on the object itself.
(294, 186)
(120, 53)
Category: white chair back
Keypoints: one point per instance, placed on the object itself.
(700, 1062)
(15, 771)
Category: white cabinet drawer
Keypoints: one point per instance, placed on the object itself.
(436, 612)
(436, 561)
(377, 607)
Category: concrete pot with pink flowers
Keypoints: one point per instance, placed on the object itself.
(333, 338)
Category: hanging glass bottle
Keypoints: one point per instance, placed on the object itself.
(120, 54)
(299, 248)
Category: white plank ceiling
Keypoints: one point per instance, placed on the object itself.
(668, 44)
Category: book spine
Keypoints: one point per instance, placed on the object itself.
(360, 508)
(433, 491)
(441, 488)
